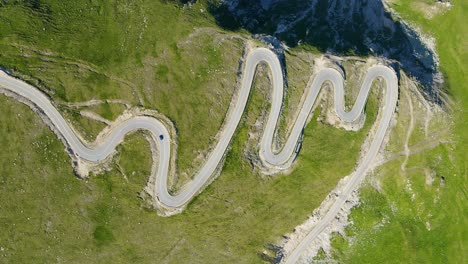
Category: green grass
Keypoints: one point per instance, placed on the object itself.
(231, 221)
(141, 52)
(109, 223)
(393, 226)
(84, 50)
(109, 111)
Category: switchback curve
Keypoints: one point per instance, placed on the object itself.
(282, 160)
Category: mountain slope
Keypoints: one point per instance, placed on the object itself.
(360, 27)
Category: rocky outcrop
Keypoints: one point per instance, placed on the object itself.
(341, 27)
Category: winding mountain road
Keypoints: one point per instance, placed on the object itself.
(282, 160)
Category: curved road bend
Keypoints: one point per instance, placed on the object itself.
(279, 160)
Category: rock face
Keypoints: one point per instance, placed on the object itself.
(361, 27)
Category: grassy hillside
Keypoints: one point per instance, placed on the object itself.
(146, 53)
(419, 215)
(162, 56)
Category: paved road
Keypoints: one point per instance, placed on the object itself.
(279, 160)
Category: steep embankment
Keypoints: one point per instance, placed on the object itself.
(339, 26)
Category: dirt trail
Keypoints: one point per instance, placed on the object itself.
(410, 128)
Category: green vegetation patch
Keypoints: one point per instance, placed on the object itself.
(420, 215)
(162, 56)
(109, 111)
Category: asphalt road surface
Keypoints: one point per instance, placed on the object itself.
(280, 160)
